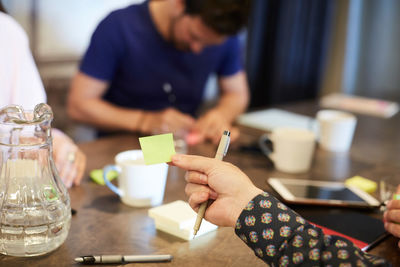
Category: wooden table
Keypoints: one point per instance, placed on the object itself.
(103, 225)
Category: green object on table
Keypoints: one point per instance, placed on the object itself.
(157, 148)
(396, 196)
(362, 183)
(50, 193)
(97, 176)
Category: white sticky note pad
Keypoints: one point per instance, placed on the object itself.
(177, 218)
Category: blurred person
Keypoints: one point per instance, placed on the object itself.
(20, 84)
(391, 216)
(146, 68)
(276, 234)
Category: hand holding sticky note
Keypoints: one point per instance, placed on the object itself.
(157, 148)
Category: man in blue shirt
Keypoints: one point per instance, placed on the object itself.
(146, 67)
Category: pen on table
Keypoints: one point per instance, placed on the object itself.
(122, 258)
(221, 152)
(376, 242)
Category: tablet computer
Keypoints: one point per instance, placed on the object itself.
(321, 193)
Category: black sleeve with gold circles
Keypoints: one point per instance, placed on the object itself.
(281, 237)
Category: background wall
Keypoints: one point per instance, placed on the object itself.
(377, 69)
(365, 56)
(60, 30)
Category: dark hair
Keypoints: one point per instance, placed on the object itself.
(223, 16)
(2, 9)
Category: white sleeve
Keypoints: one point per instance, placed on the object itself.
(20, 82)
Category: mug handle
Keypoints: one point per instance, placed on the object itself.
(107, 182)
(264, 148)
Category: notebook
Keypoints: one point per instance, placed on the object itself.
(269, 119)
(362, 105)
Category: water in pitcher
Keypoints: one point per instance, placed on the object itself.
(34, 230)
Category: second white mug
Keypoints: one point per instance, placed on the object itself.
(336, 129)
(293, 149)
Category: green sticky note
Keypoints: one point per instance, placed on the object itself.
(157, 148)
(396, 196)
(97, 176)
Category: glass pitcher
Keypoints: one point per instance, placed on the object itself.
(35, 212)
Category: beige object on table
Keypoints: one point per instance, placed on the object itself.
(177, 218)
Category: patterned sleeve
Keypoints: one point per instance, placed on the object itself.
(281, 237)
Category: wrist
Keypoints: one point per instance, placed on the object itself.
(136, 121)
(242, 202)
(227, 114)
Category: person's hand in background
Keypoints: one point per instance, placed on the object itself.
(68, 158)
(392, 217)
(225, 184)
(165, 121)
(211, 126)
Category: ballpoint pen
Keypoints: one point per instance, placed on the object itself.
(221, 152)
(122, 258)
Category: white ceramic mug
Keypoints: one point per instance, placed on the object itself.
(139, 185)
(293, 149)
(336, 129)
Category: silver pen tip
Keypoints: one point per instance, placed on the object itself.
(79, 259)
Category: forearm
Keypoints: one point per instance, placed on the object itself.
(234, 96)
(232, 104)
(102, 114)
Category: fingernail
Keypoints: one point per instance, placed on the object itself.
(385, 225)
(213, 194)
(204, 194)
(203, 178)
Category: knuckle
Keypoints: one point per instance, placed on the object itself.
(187, 190)
(192, 203)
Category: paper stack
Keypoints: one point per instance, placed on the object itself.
(362, 105)
(177, 218)
(269, 119)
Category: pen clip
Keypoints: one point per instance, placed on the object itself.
(227, 146)
(88, 259)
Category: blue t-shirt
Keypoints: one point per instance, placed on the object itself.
(145, 71)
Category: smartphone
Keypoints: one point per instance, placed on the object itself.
(299, 191)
